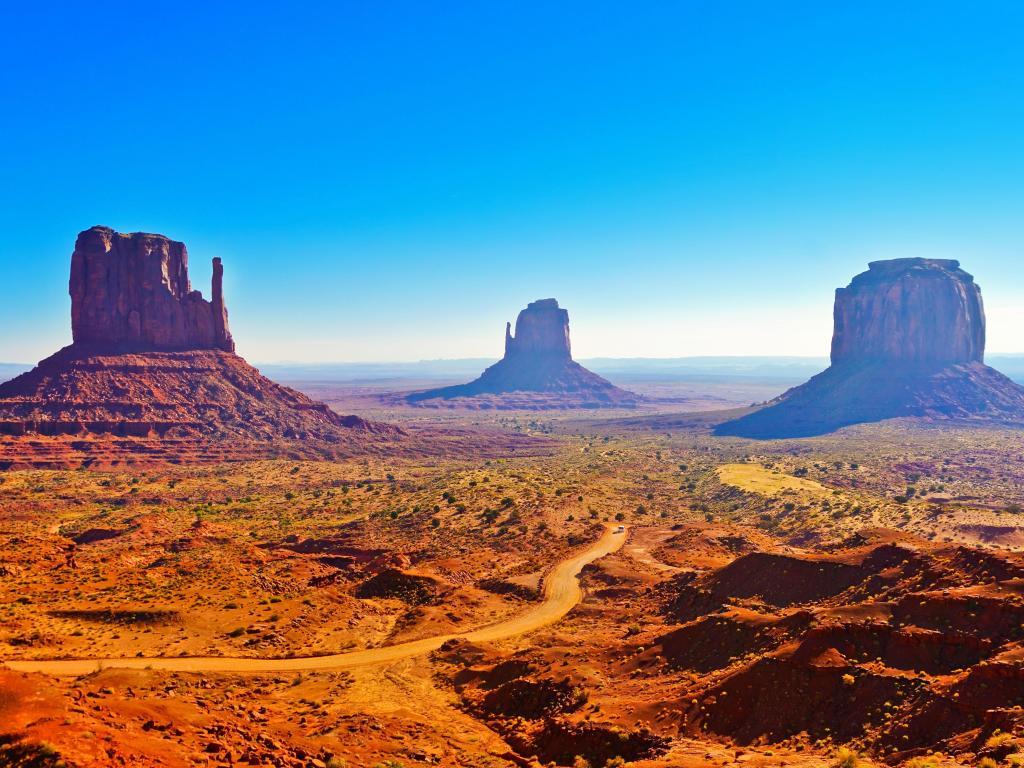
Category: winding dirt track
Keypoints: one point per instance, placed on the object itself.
(562, 593)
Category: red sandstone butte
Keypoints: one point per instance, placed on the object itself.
(132, 291)
(153, 361)
(910, 310)
(908, 341)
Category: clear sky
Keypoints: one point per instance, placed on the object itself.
(395, 180)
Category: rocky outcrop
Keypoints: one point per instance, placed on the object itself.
(910, 311)
(198, 394)
(911, 649)
(152, 372)
(542, 330)
(909, 341)
(537, 370)
(132, 292)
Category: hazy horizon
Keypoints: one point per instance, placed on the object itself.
(598, 359)
(788, 370)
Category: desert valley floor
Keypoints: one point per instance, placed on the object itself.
(787, 602)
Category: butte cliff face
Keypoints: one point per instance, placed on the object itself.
(908, 340)
(542, 330)
(152, 372)
(910, 311)
(537, 370)
(132, 292)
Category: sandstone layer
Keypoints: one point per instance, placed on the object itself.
(537, 370)
(908, 341)
(198, 393)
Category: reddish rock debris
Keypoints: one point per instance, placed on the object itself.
(152, 372)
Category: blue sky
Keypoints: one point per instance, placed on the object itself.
(393, 181)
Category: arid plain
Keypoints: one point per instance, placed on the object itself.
(845, 579)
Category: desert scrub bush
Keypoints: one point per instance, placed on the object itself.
(14, 751)
(846, 758)
(998, 739)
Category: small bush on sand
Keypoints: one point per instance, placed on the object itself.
(846, 758)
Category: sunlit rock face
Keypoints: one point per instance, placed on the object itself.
(132, 291)
(908, 341)
(910, 310)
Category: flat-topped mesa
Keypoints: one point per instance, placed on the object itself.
(132, 292)
(910, 311)
(542, 329)
(909, 341)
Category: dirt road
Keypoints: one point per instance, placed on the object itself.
(561, 594)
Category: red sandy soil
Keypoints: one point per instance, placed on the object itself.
(732, 627)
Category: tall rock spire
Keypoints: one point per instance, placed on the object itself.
(222, 336)
(508, 338)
